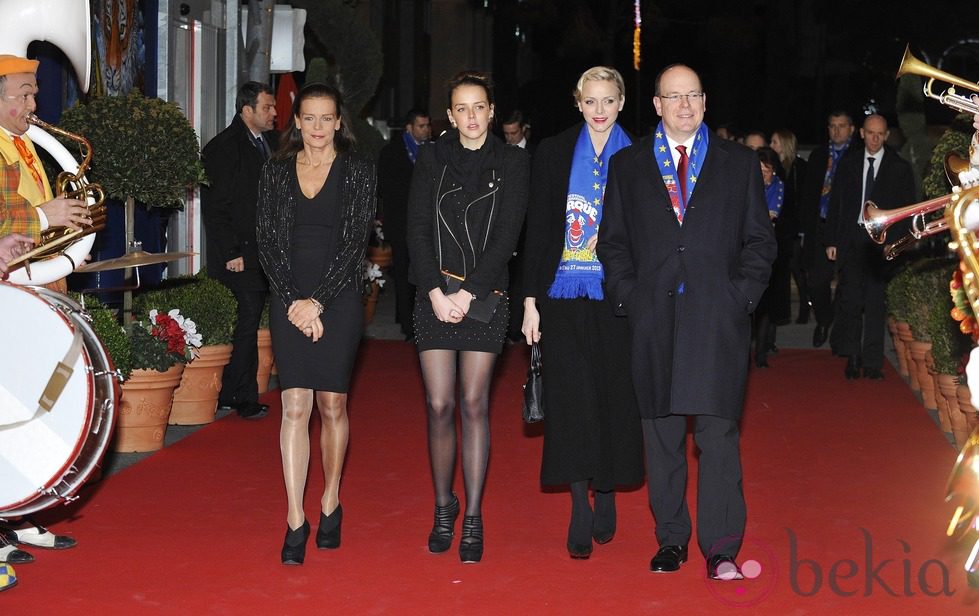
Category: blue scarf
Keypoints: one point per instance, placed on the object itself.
(410, 145)
(580, 272)
(836, 152)
(664, 159)
(774, 194)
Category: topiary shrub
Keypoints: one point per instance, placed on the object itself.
(106, 325)
(202, 299)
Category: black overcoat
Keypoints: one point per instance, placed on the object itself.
(690, 349)
(233, 165)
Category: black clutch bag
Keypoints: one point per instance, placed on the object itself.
(481, 310)
(533, 392)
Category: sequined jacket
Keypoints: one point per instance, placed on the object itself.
(276, 217)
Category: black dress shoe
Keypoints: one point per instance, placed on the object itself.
(294, 546)
(252, 410)
(668, 558)
(819, 335)
(226, 406)
(471, 541)
(852, 370)
(874, 374)
(440, 539)
(761, 361)
(723, 567)
(328, 534)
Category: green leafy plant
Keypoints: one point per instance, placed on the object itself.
(955, 139)
(927, 284)
(897, 294)
(141, 147)
(948, 344)
(105, 324)
(207, 302)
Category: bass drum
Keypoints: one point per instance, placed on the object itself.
(58, 397)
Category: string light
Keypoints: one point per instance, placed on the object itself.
(636, 44)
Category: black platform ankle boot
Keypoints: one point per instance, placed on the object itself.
(471, 542)
(294, 546)
(440, 539)
(328, 534)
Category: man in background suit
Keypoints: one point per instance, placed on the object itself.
(687, 255)
(814, 209)
(872, 173)
(394, 168)
(233, 161)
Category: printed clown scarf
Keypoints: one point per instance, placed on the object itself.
(580, 273)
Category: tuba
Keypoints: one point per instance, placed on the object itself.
(73, 185)
(67, 24)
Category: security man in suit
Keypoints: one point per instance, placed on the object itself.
(233, 162)
(872, 173)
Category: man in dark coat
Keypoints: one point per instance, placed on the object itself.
(394, 168)
(814, 208)
(233, 161)
(688, 267)
(872, 173)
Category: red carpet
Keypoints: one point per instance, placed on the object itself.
(844, 485)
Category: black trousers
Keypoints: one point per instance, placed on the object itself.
(404, 291)
(861, 318)
(238, 384)
(720, 499)
(821, 274)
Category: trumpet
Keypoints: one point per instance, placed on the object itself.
(73, 186)
(877, 220)
(911, 65)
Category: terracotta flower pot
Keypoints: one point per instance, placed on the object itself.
(919, 352)
(380, 255)
(145, 409)
(265, 359)
(964, 395)
(947, 387)
(944, 411)
(904, 332)
(196, 399)
(900, 347)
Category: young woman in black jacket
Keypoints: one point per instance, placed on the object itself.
(467, 204)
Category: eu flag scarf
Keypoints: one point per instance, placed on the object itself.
(580, 273)
(664, 159)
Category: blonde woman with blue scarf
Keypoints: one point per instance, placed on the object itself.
(592, 433)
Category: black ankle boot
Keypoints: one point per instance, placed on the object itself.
(440, 539)
(603, 528)
(328, 534)
(471, 543)
(580, 531)
(294, 546)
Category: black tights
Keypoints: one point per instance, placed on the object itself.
(475, 374)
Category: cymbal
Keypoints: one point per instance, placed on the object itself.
(133, 259)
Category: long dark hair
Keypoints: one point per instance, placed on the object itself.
(292, 140)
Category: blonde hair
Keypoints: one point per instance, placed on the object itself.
(600, 73)
(789, 147)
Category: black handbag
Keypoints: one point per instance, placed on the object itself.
(481, 310)
(533, 391)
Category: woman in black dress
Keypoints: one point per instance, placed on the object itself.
(316, 204)
(466, 206)
(592, 433)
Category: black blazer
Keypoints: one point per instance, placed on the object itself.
(893, 187)
(690, 349)
(394, 170)
(276, 216)
(488, 231)
(812, 185)
(233, 166)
